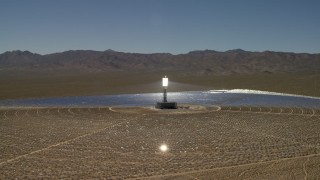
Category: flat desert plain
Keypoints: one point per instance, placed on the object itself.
(123, 143)
(18, 85)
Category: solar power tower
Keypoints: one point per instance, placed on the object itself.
(165, 104)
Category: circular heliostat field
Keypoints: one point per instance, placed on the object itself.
(182, 109)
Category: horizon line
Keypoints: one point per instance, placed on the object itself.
(201, 50)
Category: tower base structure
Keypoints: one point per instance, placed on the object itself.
(167, 105)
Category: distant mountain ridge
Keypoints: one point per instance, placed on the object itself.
(235, 61)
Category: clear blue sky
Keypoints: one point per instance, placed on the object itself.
(149, 26)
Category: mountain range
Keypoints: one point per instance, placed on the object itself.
(201, 62)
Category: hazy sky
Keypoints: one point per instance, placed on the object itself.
(148, 26)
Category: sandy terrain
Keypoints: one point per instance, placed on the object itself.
(17, 85)
(115, 143)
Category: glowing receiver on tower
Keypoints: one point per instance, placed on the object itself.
(165, 81)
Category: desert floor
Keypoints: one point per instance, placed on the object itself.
(17, 84)
(118, 143)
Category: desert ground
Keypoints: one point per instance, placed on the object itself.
(29, 84)
(123, 143)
